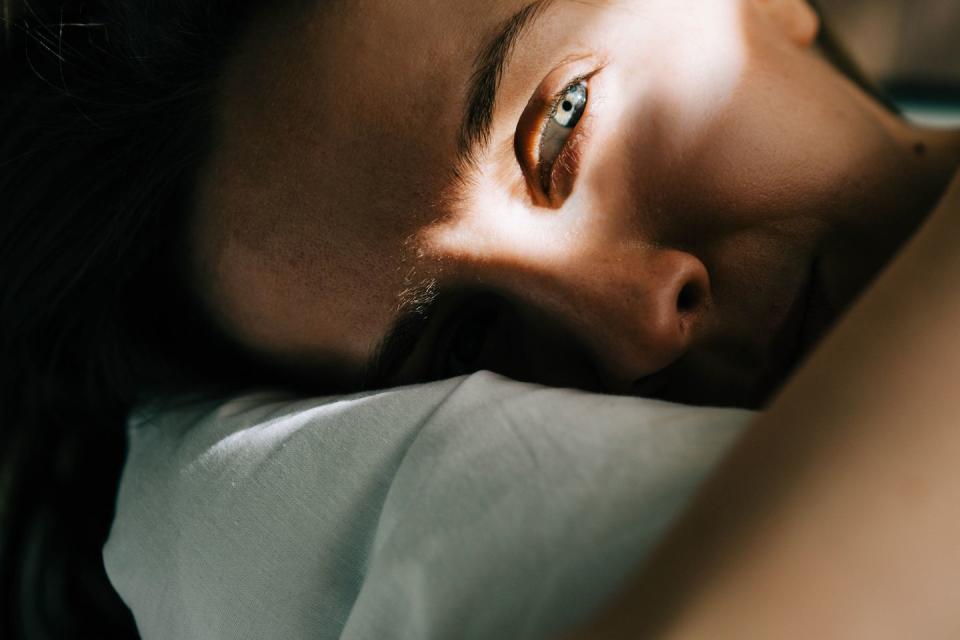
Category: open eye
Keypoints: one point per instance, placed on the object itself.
(553, 131)
(567, 110)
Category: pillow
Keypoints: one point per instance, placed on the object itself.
(477, 507)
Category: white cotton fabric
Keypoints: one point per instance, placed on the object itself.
(476, 507)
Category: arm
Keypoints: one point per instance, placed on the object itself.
(838, 514)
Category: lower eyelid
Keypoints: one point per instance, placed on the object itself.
(562, 179)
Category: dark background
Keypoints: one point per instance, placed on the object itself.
(898, 40)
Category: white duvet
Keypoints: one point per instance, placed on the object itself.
(470, 508)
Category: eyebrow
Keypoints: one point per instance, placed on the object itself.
(488, 71)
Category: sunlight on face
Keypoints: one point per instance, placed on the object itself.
(697, 97)
(693, 93)
(634, 197)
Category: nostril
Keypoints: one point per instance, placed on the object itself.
(688, 299)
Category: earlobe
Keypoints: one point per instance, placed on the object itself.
(797, 19)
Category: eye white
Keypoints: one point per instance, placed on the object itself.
(571, 106)
(560, 125)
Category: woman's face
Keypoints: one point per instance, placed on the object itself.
(581, 193)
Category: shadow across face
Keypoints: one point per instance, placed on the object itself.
(641, 198)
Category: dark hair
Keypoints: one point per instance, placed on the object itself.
(107, 109)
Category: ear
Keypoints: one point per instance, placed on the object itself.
(796, 18)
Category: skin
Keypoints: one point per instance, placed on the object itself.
(734, 166)
(732, 193)
(835, 515)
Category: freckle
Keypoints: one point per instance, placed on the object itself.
(920, 149)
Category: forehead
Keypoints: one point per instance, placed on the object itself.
(339, 98)
(337, 139)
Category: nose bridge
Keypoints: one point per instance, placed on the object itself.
(636, 308)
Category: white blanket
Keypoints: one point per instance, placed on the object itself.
(469, 508)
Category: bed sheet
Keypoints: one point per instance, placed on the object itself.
(476, 507)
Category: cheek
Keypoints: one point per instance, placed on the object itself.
(661, 105)
(728, 118)
(768, 147)
(687, 72)
(776, 152)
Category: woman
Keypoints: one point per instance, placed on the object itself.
(565, 193)
(491, 204)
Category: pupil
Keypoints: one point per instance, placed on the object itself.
(567, 105)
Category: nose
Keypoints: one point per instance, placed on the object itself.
(673, 294)
(635, 311)
(651, 314)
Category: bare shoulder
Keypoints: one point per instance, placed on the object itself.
(951, 198)
(946, 215)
